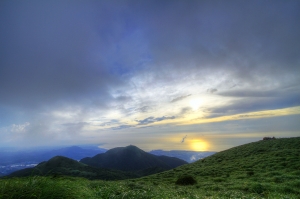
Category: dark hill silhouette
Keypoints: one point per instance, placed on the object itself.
(131, 158)
(60, 165)
(171, 161)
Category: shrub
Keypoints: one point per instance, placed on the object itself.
(257, 188)
(219, 179)
(250, 173)
(186, 180)
(278, 179)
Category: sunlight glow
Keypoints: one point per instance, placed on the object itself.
(199, 145)
(195, 103)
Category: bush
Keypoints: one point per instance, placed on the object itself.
(257, 188)
(278, 179)
(250, 173)
(219, 180)
(186, 180)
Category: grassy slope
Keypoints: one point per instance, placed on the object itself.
(261, 167)
(264, 169)
(60, 165)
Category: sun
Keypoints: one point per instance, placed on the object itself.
(195, 103)
(199, 145)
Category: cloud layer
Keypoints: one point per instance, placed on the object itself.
(81, 71)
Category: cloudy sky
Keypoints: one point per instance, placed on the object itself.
(149, 73)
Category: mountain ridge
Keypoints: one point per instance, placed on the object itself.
(63, 166)
(121, 163)
(131, 158)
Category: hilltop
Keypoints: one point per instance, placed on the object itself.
(131, 158)
(63, 166)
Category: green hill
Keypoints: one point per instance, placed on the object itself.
(254, 159)
(259, 167)
(62, 166)
(131, 158)
(263, 169)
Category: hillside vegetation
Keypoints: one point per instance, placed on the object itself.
(256, 161)
(263, 169)
(116, 164)
(131, 158)
(63, 166)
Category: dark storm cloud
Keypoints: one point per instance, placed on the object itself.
(125, 126)
(245, 105)
(180, 98)
(255, 100)
(76, 125)
(250, 93)
(245, 116)
(212, 90)
(65, 51)
(282, 91)
(48, 53)
(269, 124)
(110, 123)
(123, 98)
(66, 61)
(249, 38)
(150, 120)
(185, 110)
(143, 109)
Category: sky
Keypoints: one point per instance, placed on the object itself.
(175, 75)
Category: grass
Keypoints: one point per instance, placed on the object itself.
(73, 188)
(44, 187)
(264, 169)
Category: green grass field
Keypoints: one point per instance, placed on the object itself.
(264, 169)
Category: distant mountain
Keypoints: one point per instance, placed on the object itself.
(131, 158)
(38, 155)
(60, 165)
(73, 152)
(188, 156)
(12, 160)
